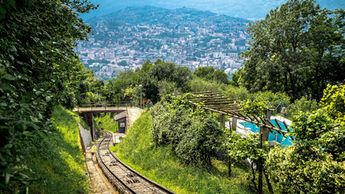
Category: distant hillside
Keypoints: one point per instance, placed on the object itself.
(249, 9)
(171, 17)
(125, 39)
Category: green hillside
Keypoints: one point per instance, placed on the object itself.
(56, 160)
(160, 165)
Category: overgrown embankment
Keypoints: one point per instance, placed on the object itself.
(56, 159)
(105, 121)
(160, 165)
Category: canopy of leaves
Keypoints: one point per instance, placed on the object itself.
(297, 49)
(38, 69)
(258, 103)
(152, 81)
(210, 73)
(333, 102)
(303, 105)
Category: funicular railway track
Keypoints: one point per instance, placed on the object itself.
(120, 175)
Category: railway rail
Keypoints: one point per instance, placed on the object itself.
(120, 175)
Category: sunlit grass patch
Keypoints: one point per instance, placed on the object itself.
(159, 164)
(56, 159)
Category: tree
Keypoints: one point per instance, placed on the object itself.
(155, 80)
(296, 49)
(38, 69)
(209, 73)
(115, 88)
(303, 105)
(258, 103)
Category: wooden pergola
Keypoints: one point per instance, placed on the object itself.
(218, 103)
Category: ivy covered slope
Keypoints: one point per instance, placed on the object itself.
(56, 160)
(161, 164)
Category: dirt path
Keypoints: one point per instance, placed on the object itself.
(98, 182)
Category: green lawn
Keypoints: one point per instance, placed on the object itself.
(56, 158)
(158, 163)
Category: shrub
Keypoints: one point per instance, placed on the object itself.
(301, 105)
(333, 101)
(236, 93)
(259, 102)
(315, 164)
(313, 173)
(200, 85)
(194, 135)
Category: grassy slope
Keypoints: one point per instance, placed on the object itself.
(107, 122)
(57, 160)
(158, 164)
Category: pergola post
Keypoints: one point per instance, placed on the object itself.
(232, 128)
(233, 124)
(261, 161)
(222, 120)
(264, 132)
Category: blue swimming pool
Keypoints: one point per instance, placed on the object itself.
(273, 136)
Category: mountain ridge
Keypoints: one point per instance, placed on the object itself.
(248, 9)
(142, 13)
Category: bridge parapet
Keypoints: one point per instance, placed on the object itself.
(119, 107)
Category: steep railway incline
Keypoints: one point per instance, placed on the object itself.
(120, 175)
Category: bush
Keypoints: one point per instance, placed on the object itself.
(210, 73)
(236, 93)
(315, 164)
(195, 136)
(107, 122)
(259, 102)
(315, 173)
(333, 101)
(301, 105)
(200, 85)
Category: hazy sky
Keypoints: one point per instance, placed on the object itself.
(249, 9)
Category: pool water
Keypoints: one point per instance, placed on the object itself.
(274, 135)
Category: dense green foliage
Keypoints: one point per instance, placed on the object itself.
(316, 163)
(249, 147)
(194, 135)
(301, 105)
(333, 102)
(156, 80)
(257, 103)
(210, 73)
(38, 69)
(296, 49)
(106, 121)
(152, 81)
(56, 160)
(160, 165)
